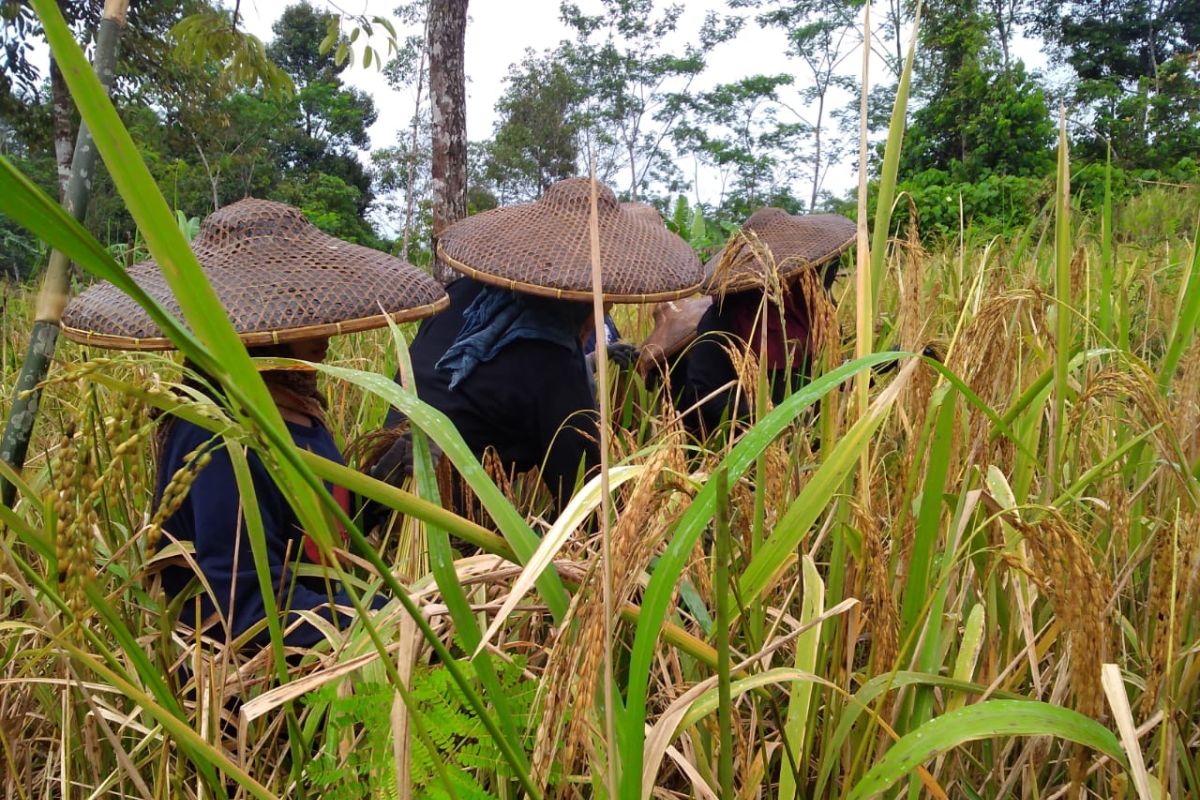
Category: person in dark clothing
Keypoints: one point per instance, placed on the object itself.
(528, 397)
(286, 287)
(211, 518)
(710, 382)
(777, 328)
(506, 363)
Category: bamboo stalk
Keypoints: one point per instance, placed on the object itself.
(606, 507)
(14, 446)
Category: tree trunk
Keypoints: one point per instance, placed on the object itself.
(64, 138)
(447, 96)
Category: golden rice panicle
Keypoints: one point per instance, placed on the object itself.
(986, 356)
(824, 330)
(882, 613)
(1173, 584)
(77, 487)
(573, 671)
(1063, 569)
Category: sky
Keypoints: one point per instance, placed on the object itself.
(499, 32)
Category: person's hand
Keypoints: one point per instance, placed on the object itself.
(396, 463)
(623, 354)
(675, 324)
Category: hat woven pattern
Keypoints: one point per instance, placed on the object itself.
(795, 243)
(279, 278)
(544, 248)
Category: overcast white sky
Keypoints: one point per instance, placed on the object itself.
(499, 32)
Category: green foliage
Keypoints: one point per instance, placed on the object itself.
(633, 81)
(735, 128)
(536, 138)
(1137, 76)
(462, 743)
(998, 203)
(212, 37)
(362, 716)
(978, 114)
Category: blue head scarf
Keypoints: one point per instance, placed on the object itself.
(499, 317)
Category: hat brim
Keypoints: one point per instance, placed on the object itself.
(278, 278)
(260, 338)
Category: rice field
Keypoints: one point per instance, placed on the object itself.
(1005, 608)
(970, 576)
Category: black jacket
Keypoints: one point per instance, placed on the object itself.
(532, 403)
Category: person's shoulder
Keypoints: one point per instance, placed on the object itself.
(186, 435)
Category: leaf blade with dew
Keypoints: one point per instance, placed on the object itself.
(694, 521)
(870, 691)
(988, 719)
(580, 507)
(817, 494)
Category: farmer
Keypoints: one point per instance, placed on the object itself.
(768, 276)
(287, 287)
(506, 363)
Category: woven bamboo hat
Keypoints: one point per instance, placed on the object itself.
(544, 248)
(793, 243)
(279, 278)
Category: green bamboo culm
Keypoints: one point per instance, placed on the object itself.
(18, 430)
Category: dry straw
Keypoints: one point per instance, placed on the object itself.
(570, 681)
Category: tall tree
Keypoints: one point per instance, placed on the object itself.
(1138, 76)
(633, 81)
(821, 35)
(974, 117)
(734, 128)
(447, 91)
(407, 69)
(536, 135)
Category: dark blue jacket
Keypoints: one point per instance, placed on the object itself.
(211, 518)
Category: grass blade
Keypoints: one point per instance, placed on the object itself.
(817, 494)
(984, 720)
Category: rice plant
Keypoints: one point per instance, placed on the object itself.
(974, 580)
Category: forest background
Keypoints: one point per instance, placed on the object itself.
(978, 148)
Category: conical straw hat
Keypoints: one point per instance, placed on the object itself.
(644, 210)
(775, 239)
(279, 278)
(544, 248)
